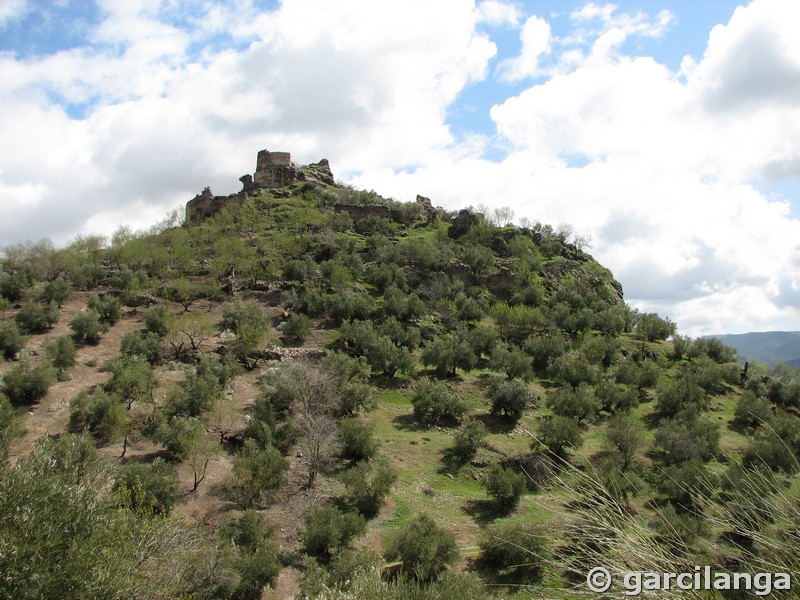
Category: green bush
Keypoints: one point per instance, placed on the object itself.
(358, 439)
(751, 410)
(433, 403)
(157, 320)
(35, 318)
(149, 488)
(26, 384)
(87, 327)
(296, 327)
(468, 439)
(423, 548)
(367, 485)
(509, 398)
(57, 292)
(107, 307)
(505, 485)
(687, 437)
(519, 551)
(146, 345)
(61, 352)
(328, 530)
(257, 474)
(579, 403)
(11, 340)
(558, 434)
(103, 416)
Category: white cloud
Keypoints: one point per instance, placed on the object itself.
(493, 12)
(11, 10)
(535, 37)
(662, 169)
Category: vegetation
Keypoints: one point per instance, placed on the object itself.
(467, 394)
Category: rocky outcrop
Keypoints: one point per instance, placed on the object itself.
(461, 223)
(317, 172)
(428, 211)
(206, 204)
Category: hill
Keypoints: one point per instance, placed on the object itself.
(308, 390)
(767, 347)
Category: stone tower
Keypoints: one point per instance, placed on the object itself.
(274, 169)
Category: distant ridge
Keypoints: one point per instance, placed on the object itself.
(768, 347)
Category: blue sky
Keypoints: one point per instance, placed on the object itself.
(667, 132)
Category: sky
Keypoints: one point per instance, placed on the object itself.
(666, 132)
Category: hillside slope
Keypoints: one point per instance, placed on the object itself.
(313, 390)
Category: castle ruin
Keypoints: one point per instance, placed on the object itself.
(273, 170)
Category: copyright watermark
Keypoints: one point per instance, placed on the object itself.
(634, 583)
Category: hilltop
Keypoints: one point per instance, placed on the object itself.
(309, 390)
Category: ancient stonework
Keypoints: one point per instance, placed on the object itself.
(274, 169)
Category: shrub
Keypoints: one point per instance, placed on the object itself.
(358, 441)
(511, 360)
(423, 548)
(509, 398)
(516, 550)
(25, 384)
(751, 411)
(11, 340)
(448, 352)
(253, 558)
(687, 438)
(107, 307)
(296, 327)
(57, 291)
(328, 530)
(61, 352)
(579, 403)
(149, 488)
(257, 474)
(157, 320)
(367, 484)
(87, 327)
(146, 345)
(505, 485)
(468, 438)
(35, 318)
(682, 394)
(625, 434)
(100, 414)
(131, 379)
(434, 402)
(558, 434)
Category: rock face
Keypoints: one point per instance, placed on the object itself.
(319, 172)
(430, 213)
(204, 205)
(461, 223)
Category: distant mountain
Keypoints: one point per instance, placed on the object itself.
(768, 347)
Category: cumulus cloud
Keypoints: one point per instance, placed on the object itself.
(661, 168)
(535, 37)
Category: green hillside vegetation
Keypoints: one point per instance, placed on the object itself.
(297, 398)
